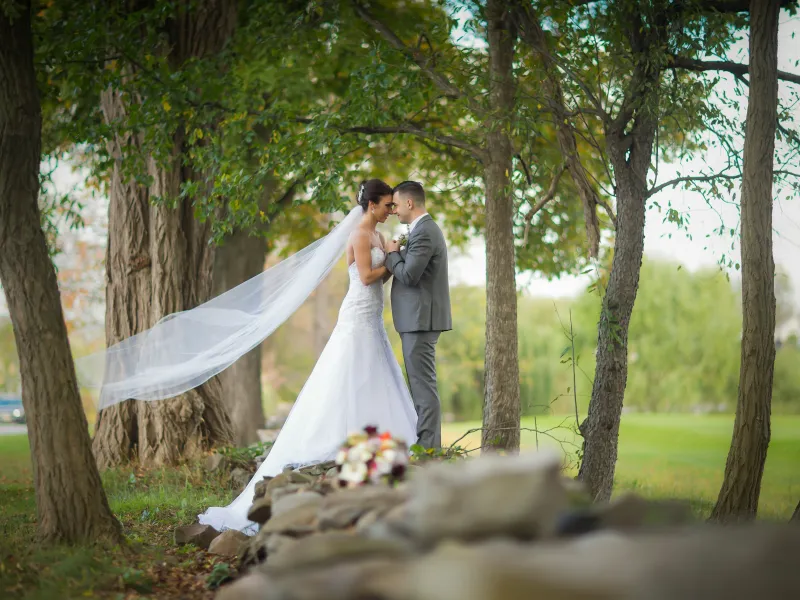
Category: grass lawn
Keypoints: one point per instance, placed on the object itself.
(679, 456)
(660, 456)
(148, 504)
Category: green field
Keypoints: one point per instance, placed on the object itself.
(680, 456)
(661, 456)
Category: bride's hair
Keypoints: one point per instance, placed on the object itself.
(371, 191)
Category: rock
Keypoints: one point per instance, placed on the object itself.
(333, 547)
(197, 534)
(289, 502)
(630, 512)
(373, 578)
(228, 543)
(516, 496)
(261, 510)
(260, 489)
(215, 462)
(332, 473)
(288, 490)
(240, 478)
(253, 586)
(298, 521)
(318, 469)
(342, 509)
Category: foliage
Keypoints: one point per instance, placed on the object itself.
(244, 457)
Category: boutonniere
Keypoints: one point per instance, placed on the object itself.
(403, 239)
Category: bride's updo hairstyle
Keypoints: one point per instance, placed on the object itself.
(371, 192)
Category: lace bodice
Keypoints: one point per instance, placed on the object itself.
(363, 304)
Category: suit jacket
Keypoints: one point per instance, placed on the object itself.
(421, 289)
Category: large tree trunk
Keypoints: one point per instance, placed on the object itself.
(240, 258)
(159, 262)
(501, 416)
(738, 497)
(70, 501)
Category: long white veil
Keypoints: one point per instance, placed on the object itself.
(185, 349)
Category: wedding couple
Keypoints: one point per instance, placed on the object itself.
(357, 381)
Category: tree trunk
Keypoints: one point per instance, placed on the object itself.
(630, 153)
(240, 258)
(738, 497)
(159, 262)
(70, 501)
(501, 416)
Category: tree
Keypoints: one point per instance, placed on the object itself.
(630, 48)
(70, 501)
(738, 497)
(473, 106)
(159, 261)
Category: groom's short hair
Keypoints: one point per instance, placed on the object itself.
(411, 189)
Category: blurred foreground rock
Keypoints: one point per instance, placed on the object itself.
(497, 528)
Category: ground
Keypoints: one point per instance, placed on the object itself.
(660, 456)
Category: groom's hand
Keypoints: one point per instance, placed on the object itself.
(393, 246)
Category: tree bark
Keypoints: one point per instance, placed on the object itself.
(738, 497)
(70, 502)
(159, 262)
(501, 416)
(629, 140)
(240, 258)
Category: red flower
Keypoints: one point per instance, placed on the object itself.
(371, 430)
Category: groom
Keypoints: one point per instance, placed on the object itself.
(420, 304)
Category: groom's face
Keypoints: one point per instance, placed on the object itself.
(404, 206)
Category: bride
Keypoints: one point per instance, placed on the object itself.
(356, 381)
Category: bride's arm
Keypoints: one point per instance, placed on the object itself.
(388, 275)
(363, 253)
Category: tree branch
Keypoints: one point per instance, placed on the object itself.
(412, 129)
(423, 62)
(551, 192)
(738, 69)
(695, 178)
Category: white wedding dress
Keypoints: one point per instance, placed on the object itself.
(356, 382)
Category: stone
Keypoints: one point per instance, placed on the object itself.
(299, 521)
(318, 469)
(197, 534)
(228, 543)
(261, 511)
(630, 512)
(287, 490)
(240, 478)
(515, 496)
(343, 509)
(373, 578)
(215, 462)
(333, 547)
(253, 586)
(289, 502)
(260, 489)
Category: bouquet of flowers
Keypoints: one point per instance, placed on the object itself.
(369, 457)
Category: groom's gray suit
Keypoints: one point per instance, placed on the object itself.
(421, 311)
